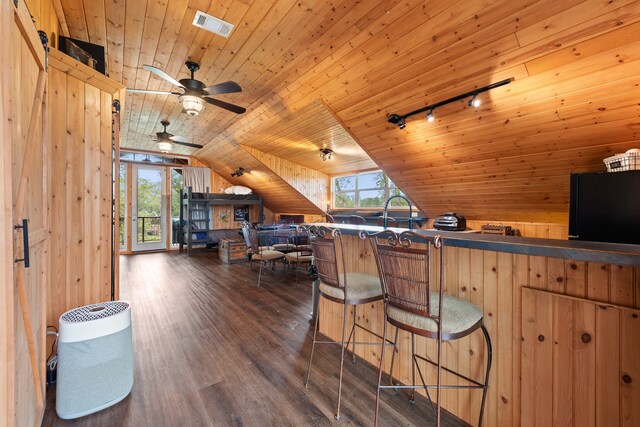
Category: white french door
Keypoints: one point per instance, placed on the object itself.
(148, 208)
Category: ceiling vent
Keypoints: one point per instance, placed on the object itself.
(215, 25)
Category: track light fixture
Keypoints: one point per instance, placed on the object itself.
(238, 173)
(399, 120)
(430, 116)
(326, 154)
(474, 101)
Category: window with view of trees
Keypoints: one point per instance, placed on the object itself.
(365, 190)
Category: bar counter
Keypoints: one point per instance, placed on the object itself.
(563, 318)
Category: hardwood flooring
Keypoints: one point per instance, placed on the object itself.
(214, 349)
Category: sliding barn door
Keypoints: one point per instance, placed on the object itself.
(25, 177)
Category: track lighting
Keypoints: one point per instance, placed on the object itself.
(474, 101)
(399, 120)
(326, 154)
(238, 173)
(430, 116)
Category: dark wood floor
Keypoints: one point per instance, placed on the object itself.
(213, 348)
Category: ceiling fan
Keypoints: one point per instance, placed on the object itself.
(193, 93)
(166, 140)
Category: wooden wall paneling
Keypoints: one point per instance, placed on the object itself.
(591, 344)
(607, 380)
(91, 193)
(504, 326)
(310, 183)
(629, 368)
(58, 204)
(537, 382)
(45, 16)
(562, 369)
(108, 228)
(75, 219)
(7, 393)
(81, 192)
(598, 285)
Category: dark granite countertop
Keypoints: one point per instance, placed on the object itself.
(610, 253)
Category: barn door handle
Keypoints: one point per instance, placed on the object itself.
(25, 242)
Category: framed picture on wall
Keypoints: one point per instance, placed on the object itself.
(241, 213)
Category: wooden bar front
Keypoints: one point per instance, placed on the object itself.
(565, 350)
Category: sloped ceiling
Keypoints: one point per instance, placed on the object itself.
(573, 100)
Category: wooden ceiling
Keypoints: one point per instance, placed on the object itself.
(299, 137)
(573, 101)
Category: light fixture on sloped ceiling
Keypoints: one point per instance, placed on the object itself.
(239, 172)
(474, 101)
(326, 154)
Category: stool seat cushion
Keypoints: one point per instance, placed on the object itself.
(458, 315)
(284, 247)
(361, 286)
(298, 257)
(267, 255)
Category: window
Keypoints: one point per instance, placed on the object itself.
(168, 159)
(364, 190)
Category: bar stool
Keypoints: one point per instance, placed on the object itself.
(264, 254)
(411, 304)
(339, 285)
(302, 254)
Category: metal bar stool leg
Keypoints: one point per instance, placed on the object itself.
(260, 272)
(486, 378)
(313, 346)
(344, 333)
(412, 396)
(439, 386)
(353, 346)
(384, 336)
(394, 350)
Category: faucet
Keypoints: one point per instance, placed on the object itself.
(386, 207)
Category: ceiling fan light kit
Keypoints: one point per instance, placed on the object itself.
(165, 146)
(192, 105)
(165, 140)
(192, 93)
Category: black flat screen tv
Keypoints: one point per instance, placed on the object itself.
(605, 207)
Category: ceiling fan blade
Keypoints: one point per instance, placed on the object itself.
(158, 72)
(178, 138)
(231, 107)
(188, 144)
(225, 87)
(158, 92)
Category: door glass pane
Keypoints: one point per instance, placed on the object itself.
(176, 186)
(149, 205)
(123, 203)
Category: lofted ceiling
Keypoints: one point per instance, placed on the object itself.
(573, 101)
(298, 137)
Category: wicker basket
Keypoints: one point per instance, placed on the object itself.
(627, 161)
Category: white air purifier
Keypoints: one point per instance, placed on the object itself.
(95, 358)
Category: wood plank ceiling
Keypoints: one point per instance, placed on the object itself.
(572, 103)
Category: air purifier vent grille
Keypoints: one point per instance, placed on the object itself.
(94, 311)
